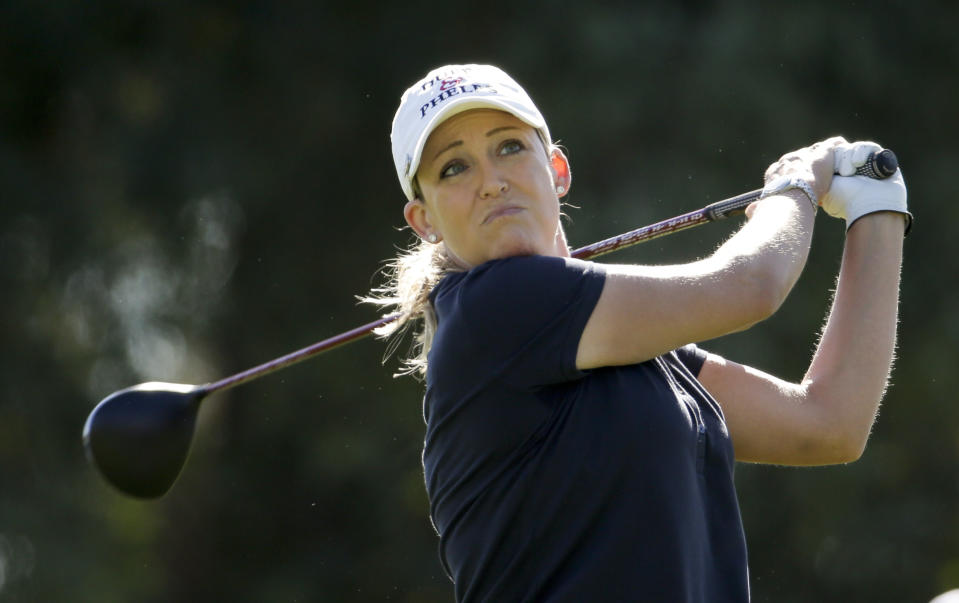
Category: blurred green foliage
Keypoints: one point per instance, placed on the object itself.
(192, 188)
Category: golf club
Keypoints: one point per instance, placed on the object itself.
(139, 437)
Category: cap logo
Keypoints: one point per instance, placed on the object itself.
(447, 84)
(451, 91)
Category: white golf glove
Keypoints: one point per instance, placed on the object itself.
(852, 197)
(852, 155)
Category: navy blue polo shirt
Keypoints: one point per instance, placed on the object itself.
(547, 483)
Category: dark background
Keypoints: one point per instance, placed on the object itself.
(190, 189)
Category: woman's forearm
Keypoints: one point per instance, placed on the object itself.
(775, 242)
(850, 368)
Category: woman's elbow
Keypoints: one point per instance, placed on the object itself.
(848, 451)
(854, 444)
(844, 444)
(823, 449)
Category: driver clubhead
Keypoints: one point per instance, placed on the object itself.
(139, 437)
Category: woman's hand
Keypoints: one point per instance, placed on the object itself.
(850, 196)
(815, 164)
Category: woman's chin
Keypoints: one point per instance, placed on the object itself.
(512, 248)
(518, 244)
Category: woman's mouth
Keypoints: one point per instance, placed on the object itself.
(499, 212)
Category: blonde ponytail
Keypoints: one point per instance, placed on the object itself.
(410, 277)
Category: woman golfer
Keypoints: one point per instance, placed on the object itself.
(579, 446)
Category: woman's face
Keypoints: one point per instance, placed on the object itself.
(489, 189)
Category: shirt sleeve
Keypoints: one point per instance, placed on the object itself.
(525, 315)
(693, 357)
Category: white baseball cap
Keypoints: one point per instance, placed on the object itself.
(444, 92)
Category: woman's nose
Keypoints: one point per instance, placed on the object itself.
(493, 182)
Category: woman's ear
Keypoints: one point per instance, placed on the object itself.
(418, 219)
(562, 177)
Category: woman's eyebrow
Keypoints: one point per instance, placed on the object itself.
(457, 143)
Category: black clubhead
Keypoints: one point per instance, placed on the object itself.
(139, 437)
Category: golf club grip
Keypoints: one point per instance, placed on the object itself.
(732, 206)
(878, 166)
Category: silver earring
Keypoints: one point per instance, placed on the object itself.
(431, 238)
(560, 189)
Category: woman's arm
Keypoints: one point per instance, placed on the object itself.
(826, 418)
(645, 311)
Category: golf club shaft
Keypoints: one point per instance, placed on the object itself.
(878, 165)
(711, 213)
(298, 356)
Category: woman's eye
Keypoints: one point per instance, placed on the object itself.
(510, 147)
(452, 169)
